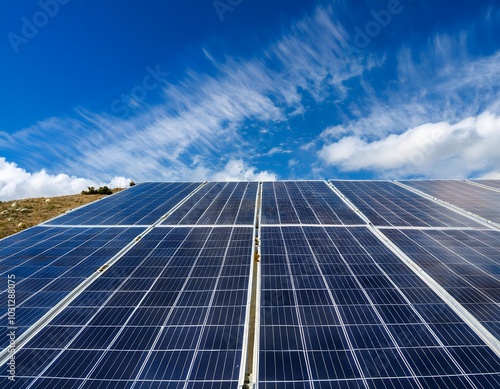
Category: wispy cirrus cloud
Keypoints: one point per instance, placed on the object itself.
(196, 129)
(201, 123)
(457, 88)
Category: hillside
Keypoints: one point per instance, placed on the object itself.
(20, 214)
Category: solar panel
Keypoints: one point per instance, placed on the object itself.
(187, 304)
(386, 204)
(490, 183)
(48, 263)
(304, 202)
(465, 263)
(218, 203)
(142, 204)
(170, 312)
(480, 201)
(338, 309)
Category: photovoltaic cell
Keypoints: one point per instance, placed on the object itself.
(386, 204)
(48, 263)
(143, 204)
(218, 203)
(366, 318)
(465, 263)
(481, 201)
(154, 318)
(304, 202)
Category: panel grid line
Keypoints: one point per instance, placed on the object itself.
(83, 327)
(342, 324)
(414, 310)
(483, 205)
(302, 336)
(472, 321)
(384, 324)
(205, 321)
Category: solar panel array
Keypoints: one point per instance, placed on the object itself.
(288, 284)
(386, 204)
(334, 315)
(140, 205)
(480, 201)
(149, 318)
(465, 263)
(48, 263)
(222, 203)
(304, 202)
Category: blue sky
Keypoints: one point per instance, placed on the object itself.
(102, 92)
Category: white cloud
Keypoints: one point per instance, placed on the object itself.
(469, 147)
(439, 119)
(493, 175)
(17, 183)
(119, 182)
(237, 170)
(277, 150)
(308, 146)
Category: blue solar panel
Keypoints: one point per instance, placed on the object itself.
(472, 198)
(48, 263)
(155, 318)
(386, 204)
(143, 204)
(304, 202)
(336, 307)
(365, 319)
(221, 203)
(465, 263)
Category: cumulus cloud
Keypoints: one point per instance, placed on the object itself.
(17, 183)
(438, 119)
(466, 148)
(237, 170)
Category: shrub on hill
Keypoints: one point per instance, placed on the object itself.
(104, 190)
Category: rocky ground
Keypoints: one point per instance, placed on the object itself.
(18, 215)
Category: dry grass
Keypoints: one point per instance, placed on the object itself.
(18, 215)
